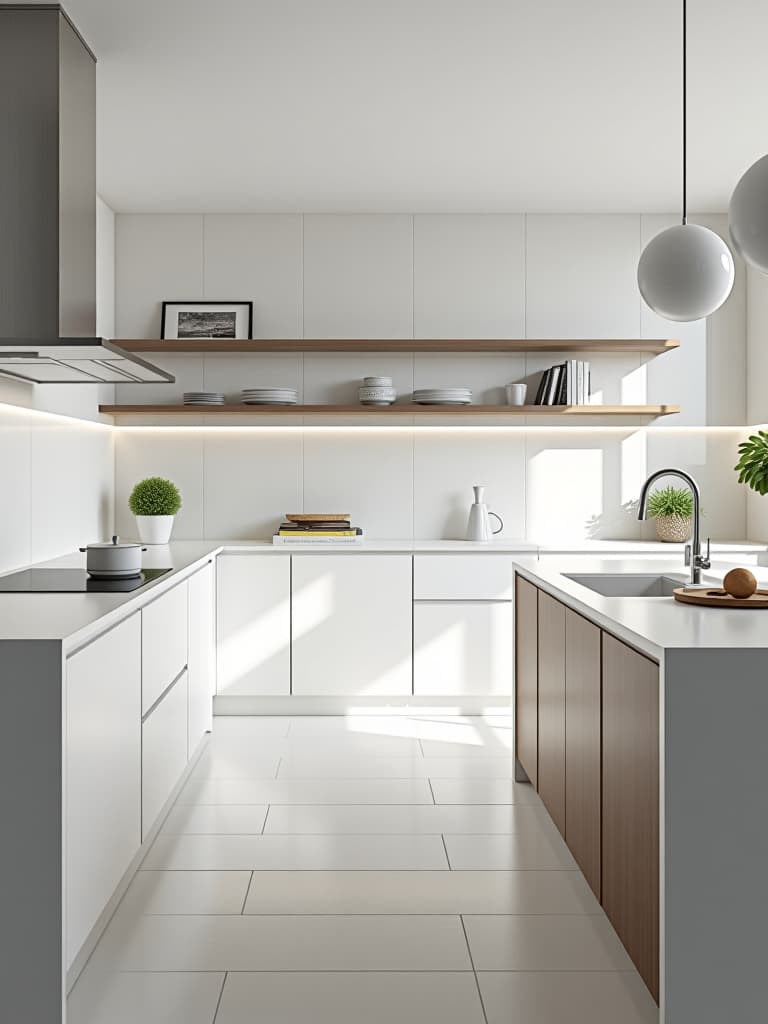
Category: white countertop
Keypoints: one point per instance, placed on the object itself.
(76, 618)
(652, 624)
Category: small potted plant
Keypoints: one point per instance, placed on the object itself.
(672, 509)
(155, 502)
(752, 466)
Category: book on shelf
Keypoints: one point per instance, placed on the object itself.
(565, 384)
(319, 529)
(320, 533)
(309, 539)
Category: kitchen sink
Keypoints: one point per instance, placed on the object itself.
(628, 584)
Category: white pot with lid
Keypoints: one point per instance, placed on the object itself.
(113, 560)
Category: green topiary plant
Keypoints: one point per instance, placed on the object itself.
(155, 497)
(670, 501)
(752, 466)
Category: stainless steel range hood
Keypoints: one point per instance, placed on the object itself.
(75, 361)
(48, 207)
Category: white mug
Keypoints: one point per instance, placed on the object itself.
(516, 394)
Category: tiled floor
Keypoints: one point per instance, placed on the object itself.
(359, 871)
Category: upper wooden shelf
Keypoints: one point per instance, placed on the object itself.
(653, 346)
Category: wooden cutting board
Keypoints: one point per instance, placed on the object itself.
(716, 598)
(318, 517)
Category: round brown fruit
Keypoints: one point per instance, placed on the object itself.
(740, 583)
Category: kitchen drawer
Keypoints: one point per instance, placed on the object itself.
(201, 663)
(102, 774)
(163, 644)
(163, 752)
(462, 648)
(462, 578)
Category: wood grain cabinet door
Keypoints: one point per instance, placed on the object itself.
(630, 887)
(526, 678)
(552, 707)
(583, 745)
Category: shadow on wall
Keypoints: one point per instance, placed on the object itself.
(615, 524)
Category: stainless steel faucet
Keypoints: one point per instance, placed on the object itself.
(693, 555)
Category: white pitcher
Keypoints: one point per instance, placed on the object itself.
(479, 525)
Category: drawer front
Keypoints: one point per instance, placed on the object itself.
(461, 649)
(163, 644)
(102, 774)
(163, 753)
(201, 667)
(462, 578)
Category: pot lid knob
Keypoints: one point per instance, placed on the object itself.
(115, 538)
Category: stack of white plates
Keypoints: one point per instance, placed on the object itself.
(203, 398)
(377, 391)
(270, 396)
(442, 396)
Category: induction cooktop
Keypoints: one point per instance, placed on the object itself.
(72, 581)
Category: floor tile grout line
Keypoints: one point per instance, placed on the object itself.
(247, 891)
(383, 970)
(442, 836)
(218, 1001)
(474, 971)
(432, 792)
(263, 824)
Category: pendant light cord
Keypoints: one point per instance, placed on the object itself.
(685, 113)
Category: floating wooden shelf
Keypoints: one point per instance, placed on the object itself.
(457, 411)
(205, 346)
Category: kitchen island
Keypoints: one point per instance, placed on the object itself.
(642, 723)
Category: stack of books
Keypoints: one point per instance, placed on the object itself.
(318, 528)
(565, 384)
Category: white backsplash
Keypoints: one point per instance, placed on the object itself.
(401, 276)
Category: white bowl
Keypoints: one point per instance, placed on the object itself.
(377, 394)
(377, 382)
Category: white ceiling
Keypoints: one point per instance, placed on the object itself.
(454, 105)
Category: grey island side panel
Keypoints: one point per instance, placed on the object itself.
(31, 849)
(715, 838)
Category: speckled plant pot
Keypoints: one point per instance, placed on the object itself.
(674, 529)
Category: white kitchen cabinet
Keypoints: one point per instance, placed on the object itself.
(102, 774)
(462, 648)
(352, 625)
(163, 752)
(462, 577)
(253, 624)
(201, 668)
(163, 643)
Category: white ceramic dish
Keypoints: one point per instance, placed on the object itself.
(377, 382)
(442, 401)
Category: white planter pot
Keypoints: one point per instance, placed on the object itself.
(674, 529)
(155, 529)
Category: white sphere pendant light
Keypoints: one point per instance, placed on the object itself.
(748, 215)
(686, 272)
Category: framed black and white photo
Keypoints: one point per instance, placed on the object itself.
(219, 321)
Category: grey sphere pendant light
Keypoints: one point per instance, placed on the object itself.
(748, 215)
(686, 272)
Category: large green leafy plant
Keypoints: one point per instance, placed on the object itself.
(752, 466)
(670, 501)
(155, 497)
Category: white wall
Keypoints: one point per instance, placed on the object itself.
(57, 471)
(401, 276)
